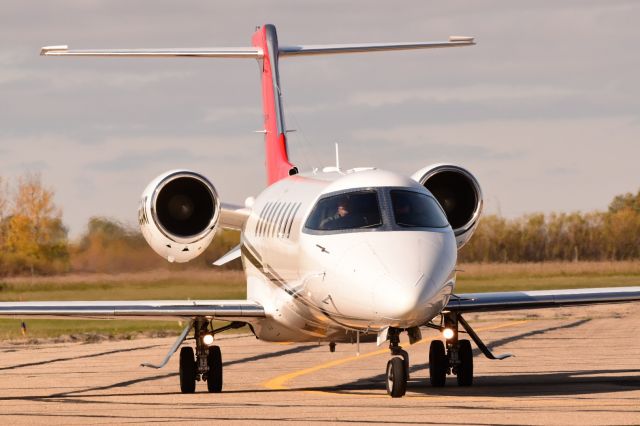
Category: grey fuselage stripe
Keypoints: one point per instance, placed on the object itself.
(252, 256)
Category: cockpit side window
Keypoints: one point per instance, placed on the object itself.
(412, 209)
(354, 210)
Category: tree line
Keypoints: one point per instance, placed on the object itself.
(34, 240)
(610, 235)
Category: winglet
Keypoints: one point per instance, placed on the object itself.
(461, 39)
(48, 50)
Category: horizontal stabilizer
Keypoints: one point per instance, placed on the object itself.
(266, 49)
(257, 53)
(330, 49)
(213, 52)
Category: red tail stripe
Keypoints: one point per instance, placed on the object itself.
(277, 159)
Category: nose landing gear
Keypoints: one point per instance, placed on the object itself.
(397, 367)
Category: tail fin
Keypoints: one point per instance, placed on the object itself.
(266, 50)
(277, 157)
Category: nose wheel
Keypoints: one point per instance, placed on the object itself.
(396, 378)
(398, 366)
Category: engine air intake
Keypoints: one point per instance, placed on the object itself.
(185, 206)
(456, 194)
(459, 194)
(178, 214)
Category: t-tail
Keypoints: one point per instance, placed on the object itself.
(267, 51)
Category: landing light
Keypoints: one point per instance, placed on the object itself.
(207, 339)
(448, 333)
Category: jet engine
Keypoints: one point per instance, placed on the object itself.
(178, 214)
(459, 194)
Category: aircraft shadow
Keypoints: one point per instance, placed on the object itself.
(72, 358)
(546, 384)
(511, 384)
(92, 391)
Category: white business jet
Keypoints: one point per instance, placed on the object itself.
(333, 255)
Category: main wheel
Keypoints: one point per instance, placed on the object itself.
(187, 370)
(438, 364)
(465, 369)
(214, 376)
(396, 378)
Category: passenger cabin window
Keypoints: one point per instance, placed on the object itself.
(355, 210)
(412, 209)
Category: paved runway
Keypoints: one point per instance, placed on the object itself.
(572, 366)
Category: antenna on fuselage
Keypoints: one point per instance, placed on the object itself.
(335, 168)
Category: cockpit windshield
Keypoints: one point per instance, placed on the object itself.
(354, 210)
(412, 209)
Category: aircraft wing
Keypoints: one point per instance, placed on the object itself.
(227, 310)
(514, 300)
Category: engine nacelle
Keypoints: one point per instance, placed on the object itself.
(459, 194)
(178, 214)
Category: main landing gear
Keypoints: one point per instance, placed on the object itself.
(454, 356)
(205, 364)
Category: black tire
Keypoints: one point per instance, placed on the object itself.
(214, 376)
(396, 378)
(187, 370)
(465, 369)
(438, 364)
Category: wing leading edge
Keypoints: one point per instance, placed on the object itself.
(231, 310)
(514, 300)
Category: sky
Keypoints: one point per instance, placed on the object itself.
(544, 110)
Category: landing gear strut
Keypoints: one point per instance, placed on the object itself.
(454, 356)
(206, 363)
(397, 367)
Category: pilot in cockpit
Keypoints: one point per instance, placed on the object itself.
(340, 218)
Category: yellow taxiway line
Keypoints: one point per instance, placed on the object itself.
(278, 383)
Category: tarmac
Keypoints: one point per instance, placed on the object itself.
(572, 366)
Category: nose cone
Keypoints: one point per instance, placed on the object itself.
(392, 278)
(398, 304)
(417, 265)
